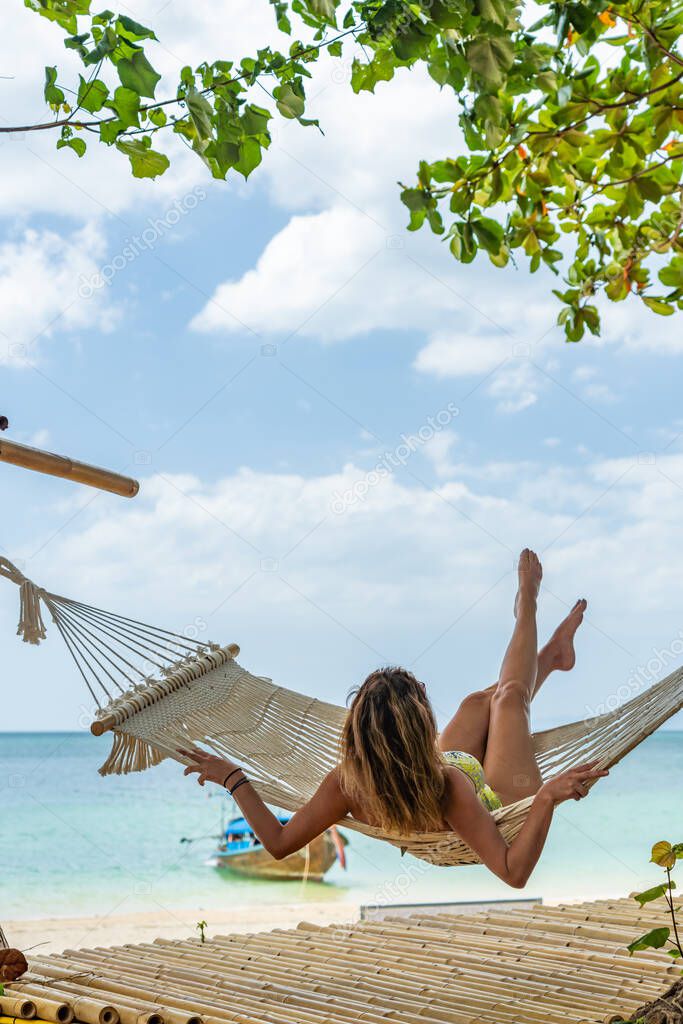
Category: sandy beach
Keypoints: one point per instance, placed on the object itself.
(54, 934)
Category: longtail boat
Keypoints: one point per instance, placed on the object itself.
(240, 851)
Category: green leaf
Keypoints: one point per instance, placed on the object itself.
(658, 305)
(488, 233)
(250, 156)
(663, 854)
(653, 894)
(53, 94)
(463, 245)
(145, 162)
(133, 29)
(105, 47)
(672, 276)
(64, 12)
(201, 113)
(137, 73)
(446, 13)
(126, 105)
(289, 103)
(92, 95)
(324, 9)
(281, 18)
(157, 116)
(651, 940)
(255, 120)
(491, 58)
(78, 145)
(492, 10)
(78, 43)
(411, 40)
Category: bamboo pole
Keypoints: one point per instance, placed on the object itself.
(61, 1012)
(69, 469)
(17, 1006)
(86, 1008)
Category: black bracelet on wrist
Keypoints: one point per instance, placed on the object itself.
(229, 774)
(238, 784)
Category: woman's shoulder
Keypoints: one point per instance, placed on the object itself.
(332, 786)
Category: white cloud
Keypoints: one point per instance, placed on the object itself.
(592, 388)
(337, 274)
(632, 326)
(461, 355)
(439, 449)
(289, 290)
(516, 387)
(40, 277)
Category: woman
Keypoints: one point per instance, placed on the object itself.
(398, 773)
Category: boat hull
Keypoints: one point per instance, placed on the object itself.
(310, 863)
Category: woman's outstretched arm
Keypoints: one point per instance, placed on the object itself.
(513, 863)
(326, 807)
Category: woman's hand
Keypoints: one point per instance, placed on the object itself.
(209, 767)
(573, 784)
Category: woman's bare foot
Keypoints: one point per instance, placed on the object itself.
(530, 572)
(560, 648)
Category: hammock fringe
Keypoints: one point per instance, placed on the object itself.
(31, 627)
(130, 754)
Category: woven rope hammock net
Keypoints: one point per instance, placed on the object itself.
(157, 691)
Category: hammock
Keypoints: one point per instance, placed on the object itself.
(157, 691)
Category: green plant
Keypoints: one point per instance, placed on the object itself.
(570, 113)
(665, 855)
(201, 927)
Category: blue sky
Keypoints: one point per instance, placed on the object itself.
(262, 354)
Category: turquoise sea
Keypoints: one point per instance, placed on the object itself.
(75, 843)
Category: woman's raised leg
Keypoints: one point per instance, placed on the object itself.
(468, 729)
(558, 655)
(509, 760)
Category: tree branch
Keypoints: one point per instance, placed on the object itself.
(95, 122)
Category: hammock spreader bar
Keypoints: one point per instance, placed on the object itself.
(173, 692)
(69, 469)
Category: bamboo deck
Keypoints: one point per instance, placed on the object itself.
(540, 965)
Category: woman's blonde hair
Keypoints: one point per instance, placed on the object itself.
(390, 761)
